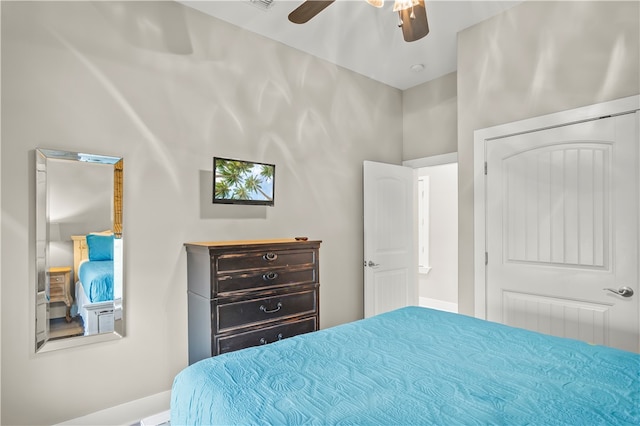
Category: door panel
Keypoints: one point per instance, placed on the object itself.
(389, 264)
(557, 316)
(555, 207)
(389, 290)
(562, 225)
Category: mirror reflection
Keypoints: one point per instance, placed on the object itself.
(79, 287)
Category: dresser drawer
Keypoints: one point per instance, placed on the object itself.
(56, 292)
(260, 280)
(264, 259)
(264, 335)
(266, 309)
(56, 279)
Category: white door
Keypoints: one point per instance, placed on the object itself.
(562, 231)
(389, 262)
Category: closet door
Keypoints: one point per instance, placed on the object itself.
(562, 231)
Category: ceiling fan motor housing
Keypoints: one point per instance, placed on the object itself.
(413, 15)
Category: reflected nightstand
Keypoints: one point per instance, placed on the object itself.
(60, 287)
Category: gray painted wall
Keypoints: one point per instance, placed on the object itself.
(168, 96)
(429, 118)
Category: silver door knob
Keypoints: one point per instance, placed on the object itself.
(622, 291)
(372, 264)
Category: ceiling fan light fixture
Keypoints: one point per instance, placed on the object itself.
(376, 3)
(262, 4)
(404, 4)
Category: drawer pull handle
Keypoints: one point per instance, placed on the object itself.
(271, 311)
(270, 276)
(264, 341)
(270, 256)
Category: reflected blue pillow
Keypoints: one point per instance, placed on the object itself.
(100, 247)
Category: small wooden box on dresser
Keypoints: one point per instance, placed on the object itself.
(250, 293)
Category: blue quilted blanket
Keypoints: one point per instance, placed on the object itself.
(413, 366)
(96, 277)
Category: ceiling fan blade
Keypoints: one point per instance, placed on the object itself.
(308, 10)
(417, 27)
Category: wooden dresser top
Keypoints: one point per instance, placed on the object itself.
(248, 242)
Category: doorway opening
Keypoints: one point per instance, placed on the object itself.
(437, 230)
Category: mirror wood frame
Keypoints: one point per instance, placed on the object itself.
(42, 261)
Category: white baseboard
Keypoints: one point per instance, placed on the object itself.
(441, 305)
(128, 413)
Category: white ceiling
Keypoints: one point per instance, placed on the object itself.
(362, 38)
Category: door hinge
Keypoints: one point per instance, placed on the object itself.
(485, 168)
(486, 258)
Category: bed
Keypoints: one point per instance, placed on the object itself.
(93, 265)
(413, 366)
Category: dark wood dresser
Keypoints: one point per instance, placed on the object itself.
(249, 293)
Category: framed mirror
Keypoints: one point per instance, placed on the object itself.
(79, 242)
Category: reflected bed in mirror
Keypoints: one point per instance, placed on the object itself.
(79, 265)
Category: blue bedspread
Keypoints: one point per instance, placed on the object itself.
(96, 277)
(413, 366)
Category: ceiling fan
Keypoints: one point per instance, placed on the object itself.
(412, 13)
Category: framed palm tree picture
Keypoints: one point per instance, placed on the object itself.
(243, 182)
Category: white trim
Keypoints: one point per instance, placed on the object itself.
(128, 413)
(423, 197)
(440, 305)
(481, 136)
(434, 160)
